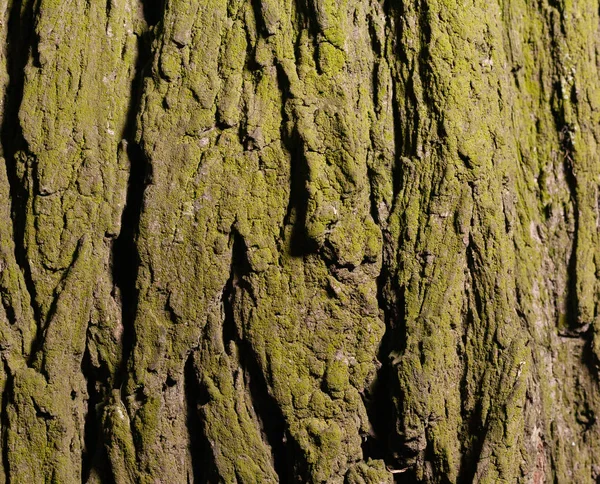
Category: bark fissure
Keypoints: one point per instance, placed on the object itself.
(91, 433)
(473, 426)
(270, 419)
(21, 40)
(203, 468)
(125, 255)
(297, 211)
(379, 443)
(305, 241)
(153, 10)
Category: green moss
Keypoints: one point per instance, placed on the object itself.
(336, 377)
(331, 58)
(312, 170)
(369, 472)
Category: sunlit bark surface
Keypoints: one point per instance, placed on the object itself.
(313, 241)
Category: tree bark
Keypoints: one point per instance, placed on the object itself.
(299, 241)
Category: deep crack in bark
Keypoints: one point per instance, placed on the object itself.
(20, 44)
(126, 259)
(92, 435)
(270, 418)
(203, 468)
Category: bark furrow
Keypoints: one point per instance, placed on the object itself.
(299, 241)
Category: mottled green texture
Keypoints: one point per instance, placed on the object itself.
(229, 98)
(76, 91)
(496, 234)
(299, 176)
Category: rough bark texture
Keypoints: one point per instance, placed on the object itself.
(299, 241)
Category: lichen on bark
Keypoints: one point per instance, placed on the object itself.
(299, 241)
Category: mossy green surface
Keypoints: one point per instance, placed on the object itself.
(316, 172)
(72, 165)
(485, 267)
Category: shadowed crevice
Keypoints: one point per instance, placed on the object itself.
(153, 11)
(125, 259)
(203, 466)
(258, 17)
(571, 307)
(473, 425)
(383, 442)
(301, 243)
(36, 357)
(92, 437)
(569, 324)
(383, 399)
(125, 256)
(566, 131)
(270, 417)
(20, 44)
(297, 210)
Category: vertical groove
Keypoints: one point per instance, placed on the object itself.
(204, 471)
(125, 256)
(270, 418)
(125, 260)
(91, 435)
(20, 42)
(382, 443)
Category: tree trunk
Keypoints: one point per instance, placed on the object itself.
(300, 241)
